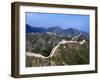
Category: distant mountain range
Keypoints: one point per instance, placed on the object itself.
(70, 32)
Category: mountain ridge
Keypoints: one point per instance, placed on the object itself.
(70, 32)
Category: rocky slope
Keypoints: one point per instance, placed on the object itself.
(65, 54)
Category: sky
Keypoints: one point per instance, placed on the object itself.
(80, 22)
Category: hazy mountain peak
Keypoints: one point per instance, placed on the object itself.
(69, 32)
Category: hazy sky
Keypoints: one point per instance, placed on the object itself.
(80, 22)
